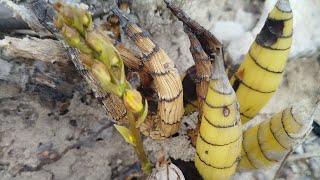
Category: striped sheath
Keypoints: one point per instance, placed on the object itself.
(270, 141)
(113, 20)
(260, 74)
(219, 141)
(165, 76)
(201, 73)
(202, 67)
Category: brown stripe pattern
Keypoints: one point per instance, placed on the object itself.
(167, 81)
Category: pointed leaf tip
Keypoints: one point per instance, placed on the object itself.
(126, 134)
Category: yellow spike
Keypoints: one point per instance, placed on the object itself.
(260, 74)
(218, 145)
(270, 141)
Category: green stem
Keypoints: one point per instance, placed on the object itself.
(117, 85)
(146, 165)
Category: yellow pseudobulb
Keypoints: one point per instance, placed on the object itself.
(260, 73)
(270, 141)
(219, 141)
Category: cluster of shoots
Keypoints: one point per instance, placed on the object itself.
(104, 62)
